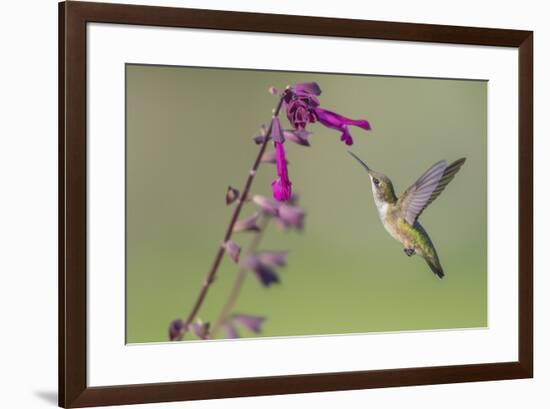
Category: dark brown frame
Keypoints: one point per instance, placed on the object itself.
(73, 389)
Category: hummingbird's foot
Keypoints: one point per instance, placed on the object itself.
(409, 252)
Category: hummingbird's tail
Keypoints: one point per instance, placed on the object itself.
(436, 267)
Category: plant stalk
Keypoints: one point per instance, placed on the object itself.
(209, 278)
(239, 281)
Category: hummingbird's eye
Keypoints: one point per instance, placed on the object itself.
(375, 181)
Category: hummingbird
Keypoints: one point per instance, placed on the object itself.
(400, 215)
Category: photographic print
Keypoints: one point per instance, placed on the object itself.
(280, 204)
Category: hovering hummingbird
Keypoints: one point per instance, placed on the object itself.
(400, 215)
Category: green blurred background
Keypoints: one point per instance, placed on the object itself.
(189, 136)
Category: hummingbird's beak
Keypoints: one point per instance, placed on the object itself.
(360, 161)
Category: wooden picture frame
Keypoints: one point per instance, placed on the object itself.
(73, 388)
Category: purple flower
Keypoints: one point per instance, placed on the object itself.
(291, 217)
(233, 249)
(302, 107)
(248, 224)
(175, 329)
(281, 187)
(263, 271)
(251, 322)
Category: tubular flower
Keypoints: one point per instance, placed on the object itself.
(336, 121)
(282, 186)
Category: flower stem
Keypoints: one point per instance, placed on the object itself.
(239, 281)
(209, 278)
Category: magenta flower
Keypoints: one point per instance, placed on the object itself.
(281, 187)
(335, 121)
(302, 107)
(300, 102)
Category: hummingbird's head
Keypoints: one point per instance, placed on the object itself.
(382, 188)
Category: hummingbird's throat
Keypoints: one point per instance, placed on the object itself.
(382, 207)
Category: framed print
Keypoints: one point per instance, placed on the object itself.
(306, 204)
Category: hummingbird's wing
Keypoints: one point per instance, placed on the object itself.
(426, 189)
